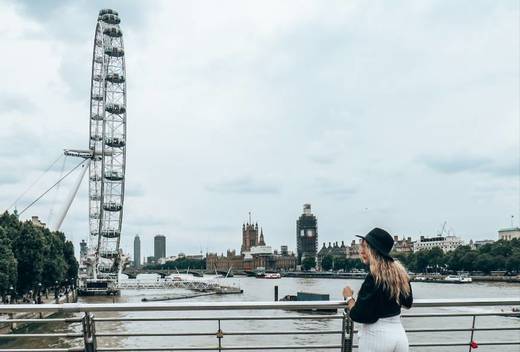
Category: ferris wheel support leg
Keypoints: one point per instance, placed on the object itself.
(71, 196)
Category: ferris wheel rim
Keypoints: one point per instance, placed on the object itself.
(108, 113)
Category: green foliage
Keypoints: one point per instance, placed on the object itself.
(70, 261)
(30, 255)
(501, 255)
(8, 263)
(339, 263)
(180, 263)
(326, 263)
(308, 263)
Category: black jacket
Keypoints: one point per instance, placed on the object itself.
(374, 302)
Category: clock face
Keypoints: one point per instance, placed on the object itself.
(310, 233)
(302, 233)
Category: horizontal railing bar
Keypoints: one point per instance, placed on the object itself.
(258, 317)
(147, 334)
(465, 343)
(289, 347)
(295, 317)
(184, 306)
(482, 314)
(461, 343)
(506, 328)
(194, 306)
(230, 333)
(18, 336)
(49, 320)
(306, 332)
(223, 348)
(74, 349)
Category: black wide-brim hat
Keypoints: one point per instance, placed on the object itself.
(381, 241)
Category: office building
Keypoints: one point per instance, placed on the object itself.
(137, 251)
(159, 247)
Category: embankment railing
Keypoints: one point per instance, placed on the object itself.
(94, 331)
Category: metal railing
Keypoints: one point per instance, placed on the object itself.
(94, 331)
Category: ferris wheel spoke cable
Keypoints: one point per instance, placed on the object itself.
(34, 182)
(50, 188)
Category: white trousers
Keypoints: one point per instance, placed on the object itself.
(385, 335)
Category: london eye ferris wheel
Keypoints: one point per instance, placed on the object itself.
(107, 144)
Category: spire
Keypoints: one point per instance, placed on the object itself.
(261, 242)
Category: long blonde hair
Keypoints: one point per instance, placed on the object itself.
(391, 275)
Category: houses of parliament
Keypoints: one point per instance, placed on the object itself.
(254, 253)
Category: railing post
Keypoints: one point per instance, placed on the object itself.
(220, 335)
(472, 333)
(347, 334)
(89, 332)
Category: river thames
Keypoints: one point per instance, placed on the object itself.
(263, 290)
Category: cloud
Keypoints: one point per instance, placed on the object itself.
(10, 103)
(243, 185)
(508, 166)
(335, 189)
(455, 164)
(134, 190)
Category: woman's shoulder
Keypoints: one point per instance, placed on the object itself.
(369, 282)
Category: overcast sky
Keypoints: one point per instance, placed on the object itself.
(401, 115)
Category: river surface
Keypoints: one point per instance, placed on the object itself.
(263, 290)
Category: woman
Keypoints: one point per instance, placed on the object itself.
(378, 305)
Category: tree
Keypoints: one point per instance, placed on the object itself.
(484, 263)
(70, 261)
(308, 263)
(28, 247)
(8, 264)
(326, 263)
(54, 265)
(340, 263)
(513, 262)
(468, 261)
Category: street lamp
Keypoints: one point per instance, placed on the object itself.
(39, 300)
(56, 291)
(11, 294)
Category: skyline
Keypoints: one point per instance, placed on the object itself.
(401, 116)
(292, 246)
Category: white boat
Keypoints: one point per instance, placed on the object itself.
(270, 276)
(458, 279)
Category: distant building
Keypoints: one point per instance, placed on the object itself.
(159, 247)
(402, 246)
(306, 234)
(353, 250)
(250, 237)
(164, 260)
(137, 251)
(150, 260)
(509, 233)
(284, 250)
(479, 243)
(35, 221)
(446, 243)
(195, 256)
(335, 251)
(215, 262)
(83, 249)
(254, 253)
